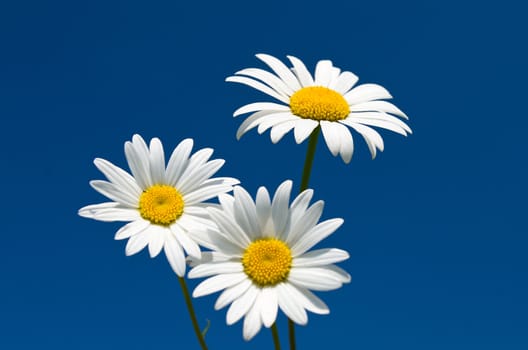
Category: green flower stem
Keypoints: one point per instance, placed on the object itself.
(291, 330)
(310, 153)
(312, 143)
(275, 334)
(188, 301)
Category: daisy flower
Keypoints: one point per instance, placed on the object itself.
(163, 205)
(328, 99)
(260, 257)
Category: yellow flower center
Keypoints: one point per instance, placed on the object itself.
(161, 204)
(319, 103)
(267, 261)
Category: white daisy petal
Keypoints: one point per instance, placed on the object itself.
(347, 145)
(320, 257)
(118, 176)
(245, 211)
(109, 211)
(281, 70)
(279, 207)
(212, 239)
(305, 78)
(380, 116)
(290, 306)
(344, 82)
(228, 225)
(303, 129)
(116, 214)
(315, 235)
(190, 246)
(305, 222)
(113, 192)
(157, 161)
(192, 179)
(309, 301)
(90, 210)
(208, 258)
(198, 159)
(131, 229)
(206, 270)
(178, 161)
(267, 78)
(274, 119)
(192, 210)
(205, 205)
(218, 282)
(375, 122)
(334, 74)
(201, 175)
(232, 293)
(371, 136)
(375, 106)
(231, 181)
(270, 303)
(259, 86)
(241, 305)
(190, 222)
(263, 208)
(340, 140)
(323, 73)
(174, 253)
(252, 322)
(227, 203)
(339, 272)
(279, 130)
(332, 136)
(366, 92)
(300, 204)
(137, 156)
(157, 240)
(205, 193)
(315, 278)
(137, 242)
(260, 106)
(222, 242)
(252, 121)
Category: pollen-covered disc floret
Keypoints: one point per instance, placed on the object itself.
(162, 203)
(267, 261)
(260, 256)
(319, 103)
(328, 99)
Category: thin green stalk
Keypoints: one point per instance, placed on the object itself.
(291, 330)
(275, 334)
(188, 301)
(310, 153)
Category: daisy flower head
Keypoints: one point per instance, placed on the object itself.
(260, 257)
(164, 205)
(328, 99)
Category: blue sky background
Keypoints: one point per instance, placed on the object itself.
(436, 225)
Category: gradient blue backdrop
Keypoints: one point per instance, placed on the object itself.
(436, 225)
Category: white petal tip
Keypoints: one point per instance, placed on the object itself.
(196, 294)
(85, 213)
